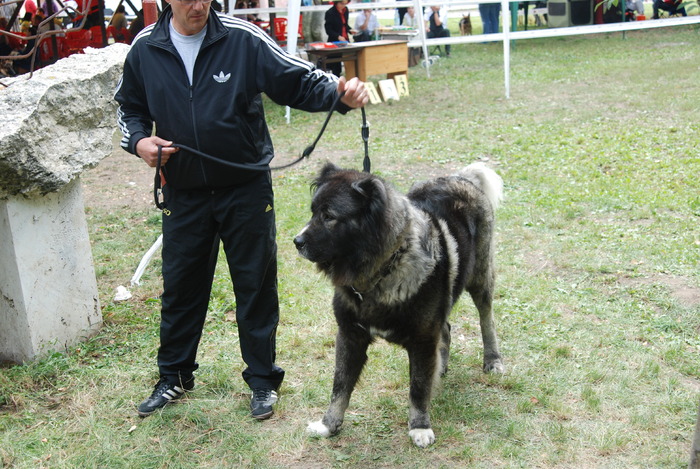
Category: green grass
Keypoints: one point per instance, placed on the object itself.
(597, 306)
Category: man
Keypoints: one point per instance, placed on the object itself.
(490, 17)
(91, 10)
(366, 24)
(436, 19)
(673, 7)
(198, 76)
(312, 22)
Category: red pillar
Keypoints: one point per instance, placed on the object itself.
(150, 12)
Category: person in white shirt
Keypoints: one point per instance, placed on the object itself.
(436, 19)
(366, 25)
(410, 19)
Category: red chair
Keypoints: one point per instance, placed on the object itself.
(301, 30)
(281, 29)
(119, 35)
(46, 54)
(96, 37)
(16, 43)
(78, 40)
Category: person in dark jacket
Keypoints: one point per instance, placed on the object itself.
(337, 29)
(198, 75)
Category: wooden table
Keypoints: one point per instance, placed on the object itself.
(363, 59)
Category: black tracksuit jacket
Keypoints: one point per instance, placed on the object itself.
(221, 113)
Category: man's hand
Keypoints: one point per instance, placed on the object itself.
(147, 149)
(355, 93)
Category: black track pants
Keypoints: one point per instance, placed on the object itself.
(243, 218)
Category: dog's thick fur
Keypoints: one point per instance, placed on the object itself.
(465, 25)
(399, 264)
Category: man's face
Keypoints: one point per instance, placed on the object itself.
(189, 17)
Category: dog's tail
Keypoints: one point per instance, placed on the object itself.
(485, 179)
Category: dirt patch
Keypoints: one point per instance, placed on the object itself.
(681, 288)
(120, 181)
(124, 181)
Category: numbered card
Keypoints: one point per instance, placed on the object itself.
(373, 95)
(388, 89)
(402, 84)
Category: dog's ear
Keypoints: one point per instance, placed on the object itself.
(326, 172)
(375, 198)
(370, 188)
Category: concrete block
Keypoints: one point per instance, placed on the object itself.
(48, 291)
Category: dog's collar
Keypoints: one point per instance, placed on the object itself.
(357, 293)
(384, 271)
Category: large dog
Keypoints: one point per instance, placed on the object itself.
(399, 264)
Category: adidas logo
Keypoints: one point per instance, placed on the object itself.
(173, 393)
(221, 78)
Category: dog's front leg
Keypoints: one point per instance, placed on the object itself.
(350, 358)
(424, 371)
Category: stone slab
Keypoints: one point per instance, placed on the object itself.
(58, 123)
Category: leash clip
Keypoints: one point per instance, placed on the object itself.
(157, 184)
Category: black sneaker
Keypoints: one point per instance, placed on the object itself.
(164, 393)
(261, 403)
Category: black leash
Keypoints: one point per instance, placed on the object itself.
(366, 164)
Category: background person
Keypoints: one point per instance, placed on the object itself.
(119, 18)
(218, 109)
(312, 22)
(673, 7)
(337, 29)
(88, 15)
(366, 25)
(410, 19)
(336, 21)
(436, 19)
(490, 16)
(136, 24)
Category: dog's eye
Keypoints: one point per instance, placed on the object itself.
(327, 217)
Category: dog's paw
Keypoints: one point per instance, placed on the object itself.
(422, 437)
(495, 367)
(318, 429)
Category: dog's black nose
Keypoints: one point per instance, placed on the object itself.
(299, 242)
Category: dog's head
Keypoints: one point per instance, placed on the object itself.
(348, 219)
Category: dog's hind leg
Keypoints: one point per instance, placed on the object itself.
(445, 348)
(350, 358)
(492, 357)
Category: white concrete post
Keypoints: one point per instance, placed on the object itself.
(52, 127)
(49, 293)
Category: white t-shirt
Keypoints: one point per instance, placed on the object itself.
(187, 47)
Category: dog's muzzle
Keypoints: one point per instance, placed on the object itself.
(300, 241)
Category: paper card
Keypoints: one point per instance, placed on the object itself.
(402, 84)
(388, 89)
(373, 95)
